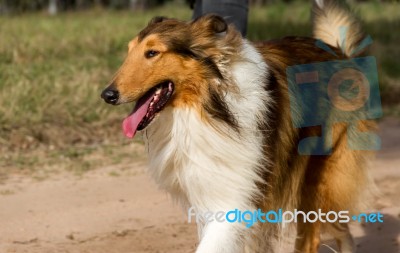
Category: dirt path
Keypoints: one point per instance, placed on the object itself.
(97, 213)
(123, 212)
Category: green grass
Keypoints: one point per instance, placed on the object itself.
(52, 69)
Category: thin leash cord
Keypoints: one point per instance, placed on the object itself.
(329, 247)
(147, 137)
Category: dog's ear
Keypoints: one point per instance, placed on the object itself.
(157, 19)
(212, 23)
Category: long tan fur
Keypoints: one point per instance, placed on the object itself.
(328, 20)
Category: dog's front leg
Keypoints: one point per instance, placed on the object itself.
(222, 237)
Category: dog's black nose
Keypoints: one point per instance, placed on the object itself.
(110, 95)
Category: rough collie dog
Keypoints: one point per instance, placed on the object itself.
(214, 111)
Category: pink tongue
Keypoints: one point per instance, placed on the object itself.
(131, 122)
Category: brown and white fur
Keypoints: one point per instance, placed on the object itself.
(225, 139)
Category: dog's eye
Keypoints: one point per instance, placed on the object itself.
(151, 53)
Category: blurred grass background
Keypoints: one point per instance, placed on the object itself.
(53, 68)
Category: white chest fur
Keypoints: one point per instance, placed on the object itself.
(209, 169)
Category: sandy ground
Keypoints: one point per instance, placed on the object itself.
(105, 211)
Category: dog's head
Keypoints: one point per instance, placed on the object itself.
(168, 64)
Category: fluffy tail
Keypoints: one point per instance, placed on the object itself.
(336, 26)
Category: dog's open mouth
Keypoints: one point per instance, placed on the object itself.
(147, 107)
